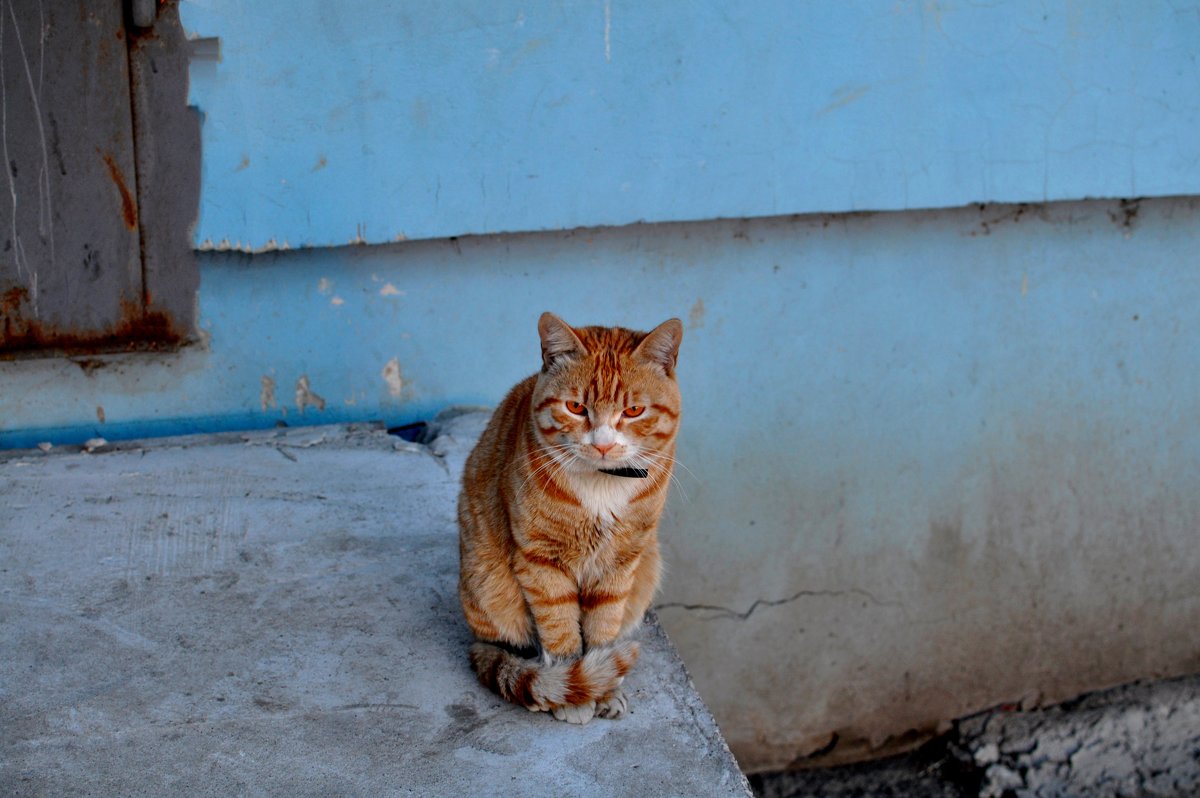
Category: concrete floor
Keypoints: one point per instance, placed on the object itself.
(275, 614)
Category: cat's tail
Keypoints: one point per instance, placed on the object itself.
(540, 687)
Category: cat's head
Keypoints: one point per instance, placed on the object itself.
(606, 396)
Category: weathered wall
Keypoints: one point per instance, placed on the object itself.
(936, 459)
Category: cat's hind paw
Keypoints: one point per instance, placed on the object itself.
(613, 706)
(576, 713)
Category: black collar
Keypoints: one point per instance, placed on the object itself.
(627, 471)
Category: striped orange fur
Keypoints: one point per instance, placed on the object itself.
(555, 554)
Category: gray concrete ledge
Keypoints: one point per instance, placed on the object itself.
(275, 614)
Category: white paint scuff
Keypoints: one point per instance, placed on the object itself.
(394, 379)
(266, 396)
(390, 290)
(306, 397)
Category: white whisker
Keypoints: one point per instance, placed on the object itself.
(558, 455)
(662, 457)
(647, 459)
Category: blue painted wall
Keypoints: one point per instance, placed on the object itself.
(937, 459)
(388, 121)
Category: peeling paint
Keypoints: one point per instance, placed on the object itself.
(266, 396)
(100, 413)
(225, 245)
(696, 315)
(390, 290)
(394, 379)
(306, 397)
(337, 301)
(325, 285)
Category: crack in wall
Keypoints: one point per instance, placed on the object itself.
(727, 612)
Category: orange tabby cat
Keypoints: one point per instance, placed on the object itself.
(558, 517)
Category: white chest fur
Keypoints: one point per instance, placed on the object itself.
(604, 496)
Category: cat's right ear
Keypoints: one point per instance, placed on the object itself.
(559, 341)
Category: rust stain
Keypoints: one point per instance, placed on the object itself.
(140, 36)
(11, 301)
(135, 330)
(128, 207)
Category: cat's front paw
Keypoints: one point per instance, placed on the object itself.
(613, 706)
(576, 713)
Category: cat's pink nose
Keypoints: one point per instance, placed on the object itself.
(603, 447)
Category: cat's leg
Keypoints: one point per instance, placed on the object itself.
(606, 620)
(603, 605)
(647, 575)
(553, 601)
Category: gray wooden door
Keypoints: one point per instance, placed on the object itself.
(70, 258)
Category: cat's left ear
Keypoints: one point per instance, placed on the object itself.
(661, 345)
(559, 341)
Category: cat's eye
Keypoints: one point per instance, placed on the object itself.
(634, 412)
(576, 408)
